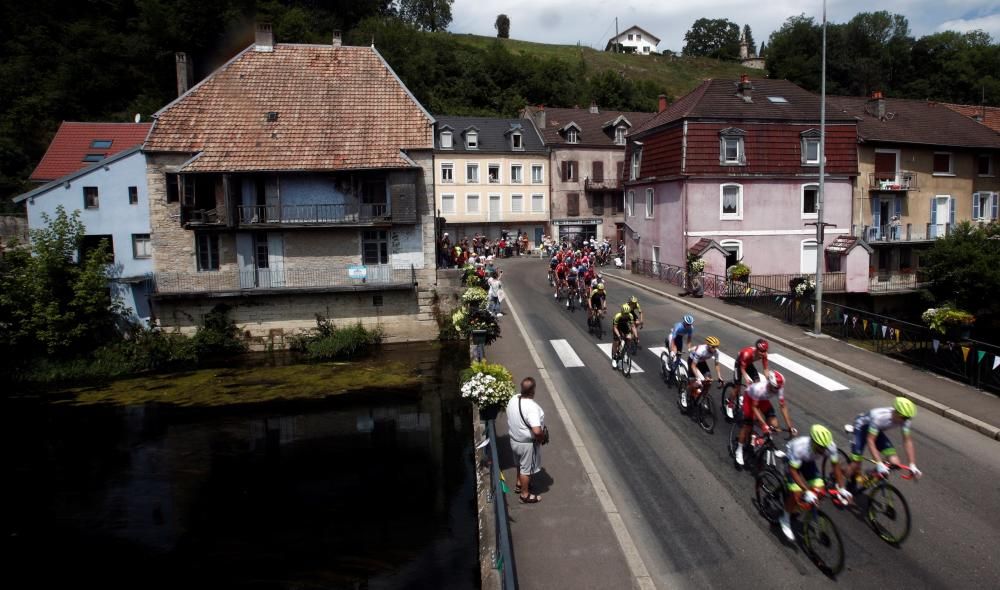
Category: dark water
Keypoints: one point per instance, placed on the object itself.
(361, 491)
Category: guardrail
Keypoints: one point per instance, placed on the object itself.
(348, 277)
(322, 213)
(904, 181)
(833, 282)
(505, 558)
(894, 281)
(604, 184)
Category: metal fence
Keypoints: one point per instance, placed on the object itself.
(504, 561)
(316, 213)
(833, 282)
(896, 281)
(359, 276)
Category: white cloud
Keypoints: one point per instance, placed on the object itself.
(989, 23)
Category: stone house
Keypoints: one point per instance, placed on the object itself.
(295, 181)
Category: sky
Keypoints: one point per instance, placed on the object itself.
(592, 22)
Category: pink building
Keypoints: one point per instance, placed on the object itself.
(737, 162)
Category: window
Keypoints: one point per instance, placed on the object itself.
(207, 251)
(731, 201)
(375, 247)
(810, 201)
(630, 37)
(777, 99)
(636, 163)
(133, 195)
(90, 197)
(808, 260)
(516, 203)
(536, 174)
(597, 171)
(89, 243)
(472, 204)
(620, 135)
(572, 136)
(448, 204)
(142, 246)
(984, 165)
(732, 150)
(515, 141)
(472, 140)
(446, 140)
(810, 150)
(537, 203)
(570, 172)
(472, 173)
(515, 174)
(573, 204)
(93, 157)
(984, 205)
(943, 163)
(630, 204)
(493, 171)
(173, 188)
(649, 203)
(638, 37)
(101, 144)
(447, 173)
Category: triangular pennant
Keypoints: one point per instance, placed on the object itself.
(981, 354)
(827, 312)
(797, 303)
(845, 318)
(854, 320)
(897, 335)
(812, 307)
(864, 324)
(884, 328)
(783, 301)
(996, 362)
(874, 330)
(503, 484)
(777, 299)
(965, 353)
(935, 344)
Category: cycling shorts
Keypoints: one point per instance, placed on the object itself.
(860, 443)
(764, 406)
(751, 372)
(809, 472)
(701, 370)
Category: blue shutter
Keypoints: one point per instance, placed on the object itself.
(876, 213)
(897, 208)
(995, 200)
(976, 210)
(951, 211)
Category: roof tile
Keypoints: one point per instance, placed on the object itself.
(72, 143)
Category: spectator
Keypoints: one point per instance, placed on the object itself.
(525, 420)
(495, 293)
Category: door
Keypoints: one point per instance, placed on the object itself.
(885, 166)
(886, 216)
(244, 259)
(494, 207)
(876, 219)
(538, 237)
(808, 264)
(940, 216)
(276, 259)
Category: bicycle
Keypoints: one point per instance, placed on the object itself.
(572, 296)
(724, 399)
(624, 358)
(702, 411)
(762, 453)
(886, 504)
(820, 537)
(594, 324)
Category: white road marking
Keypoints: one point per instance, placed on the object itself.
(566, 353)
(726, 361)
(606, 347)
(805, 372)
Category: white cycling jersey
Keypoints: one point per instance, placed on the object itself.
(801, 450)
(759, 391)
(703, 353)
(878, 420)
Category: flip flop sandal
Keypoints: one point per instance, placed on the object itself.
(517, 490)
(530, 499)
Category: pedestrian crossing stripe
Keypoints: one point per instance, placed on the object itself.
(806, 373)
(606, 349)
(566, 354)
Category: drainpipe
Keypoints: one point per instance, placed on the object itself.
(684, 223)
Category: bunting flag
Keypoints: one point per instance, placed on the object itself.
(812, 307)
(864, 323)
(935, 343)
(874, 330)
(797, 303)
(981, 354)
(777, 299)
(827, 312)
(747, 291)
(503, 484)
(965, 353)
(884, 328)
(854, 320)
(845, 318)
(996, 362)
(782, 302)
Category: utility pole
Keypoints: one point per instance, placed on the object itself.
(616, 34)
(818, 317)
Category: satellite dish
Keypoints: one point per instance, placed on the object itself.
(138, 117)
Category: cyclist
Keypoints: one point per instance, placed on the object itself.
(561, 271)
(572, 277)
(675, 341)
(553, 263)
(698, 367)
(633, 302)
(597, 302)
(621, 328)
(802, 474)
(757, 406)
(869, 431)
(745, 373)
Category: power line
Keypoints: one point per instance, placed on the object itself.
(604, 36)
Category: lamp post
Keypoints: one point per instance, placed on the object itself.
(818, 312)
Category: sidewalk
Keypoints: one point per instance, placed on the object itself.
(961, 403)
(567, 539)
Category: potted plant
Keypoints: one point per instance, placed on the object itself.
(738, 272)
(490, 388)
(474, 297)
(802, 286)
(956, 323)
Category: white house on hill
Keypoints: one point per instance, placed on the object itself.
(634, 40)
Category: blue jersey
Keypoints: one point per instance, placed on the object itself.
(680, 330)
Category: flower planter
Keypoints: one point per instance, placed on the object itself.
(489, 413)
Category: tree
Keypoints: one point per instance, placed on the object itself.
(962, 269)
(427, 15)
(718, 38)
(763, 49)
(502, 26)
(751, 44)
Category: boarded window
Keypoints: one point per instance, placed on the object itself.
(573, 204)
(597, 172)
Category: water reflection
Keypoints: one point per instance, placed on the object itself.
(361, 491)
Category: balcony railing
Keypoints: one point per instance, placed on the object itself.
(833, 282)
(347, 278)
(602, 184)
(907, 232)
(889, 282)
(904, 181)
(326, 213)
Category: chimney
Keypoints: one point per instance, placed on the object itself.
(593, 108)
(663, 103)
(185, 74)
(879, 105)
(745, 88)
(539, 117)
(337, 41)
(264, 38)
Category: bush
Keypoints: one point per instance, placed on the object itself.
(474, 296)
(218, 336)
(328, 342)
(941, 318)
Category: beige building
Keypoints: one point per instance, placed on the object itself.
(923, 168)
(283, 192)
(491, 176)
(587, 158)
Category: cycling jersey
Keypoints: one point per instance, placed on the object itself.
(800, 451)
(761, 392)
(680, 330)
(746, 358)
(561, 270)
(597, 299)
(554, 262)
(878, 420)
(571, 278)
(701, 354)
(623, 321)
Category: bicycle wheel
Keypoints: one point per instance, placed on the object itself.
(682, 384)
(626, 361)
(665, 367)
(822, 542)
(734, 439)
(769, 492)
(706, 412)
(723, 398)
(889, 514)
(598, 328)
(827, 469)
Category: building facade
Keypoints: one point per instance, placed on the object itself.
(492, 176)
(587, 160)
(915, 182)
(633, 40)
(738, 163)
(294, 182)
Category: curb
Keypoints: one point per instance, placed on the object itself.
(938, 408)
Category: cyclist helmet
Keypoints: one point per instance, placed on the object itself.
(821, 435)
(633, 299)
(761, 345)
(776, 381)
(600, 286)
(689, 320)
(904, 407)
(712, 341)
(626, 308)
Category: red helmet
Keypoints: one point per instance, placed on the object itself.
(761, 345)
(777, 380)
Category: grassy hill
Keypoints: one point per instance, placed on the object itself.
(675, 75)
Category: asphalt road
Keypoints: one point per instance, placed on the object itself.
(690, 511)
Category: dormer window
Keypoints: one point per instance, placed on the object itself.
(472, 140)
(620, 135)
(731, 147)
(810, 147)
(515, 141)
(572, 136)
(446, 140)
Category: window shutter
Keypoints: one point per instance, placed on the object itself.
(951, 210)
(563, 170)
(995, 200)
(575, 170)
(933, 211)
(597, 172)
(573, 204)
(621, 171)
(976, 210)
(897, 207)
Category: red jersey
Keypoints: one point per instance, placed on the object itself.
(746, 357)
(561, 269)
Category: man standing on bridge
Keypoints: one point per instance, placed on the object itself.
(525, 426)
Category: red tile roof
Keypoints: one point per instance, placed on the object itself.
(991, 118)
(337, 109)
(72, 143)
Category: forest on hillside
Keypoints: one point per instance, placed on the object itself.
(107, 60)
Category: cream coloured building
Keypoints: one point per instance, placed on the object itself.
(490, 175)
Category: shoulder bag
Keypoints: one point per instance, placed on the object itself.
(545, 429)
